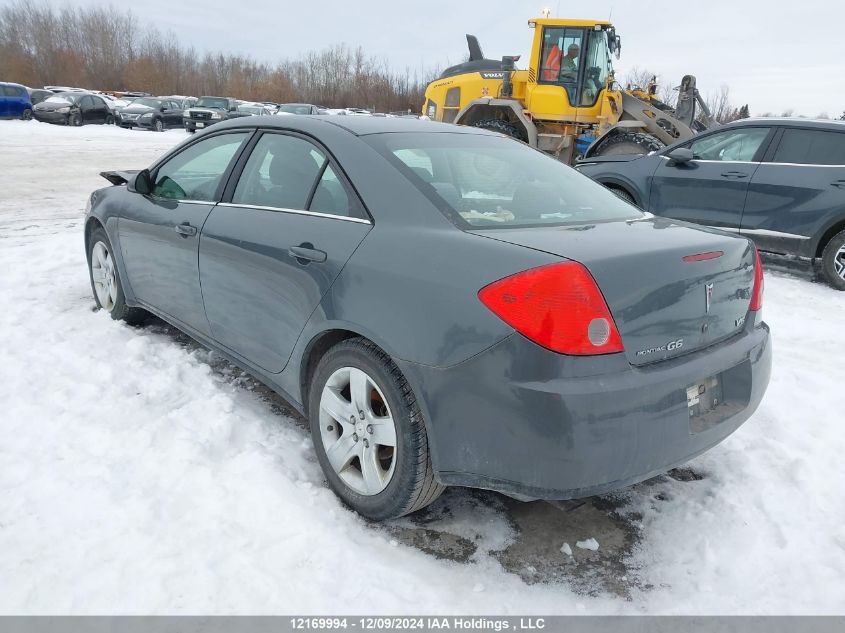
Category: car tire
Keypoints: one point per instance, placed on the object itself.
(399, 479)
(622, 193)
(503, 127)
(833, 261)
(158, 125)
(105, 280)
(74, 120)
(109, 119)
(26, 115)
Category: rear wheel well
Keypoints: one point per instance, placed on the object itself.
(316, 349)
(828, 235)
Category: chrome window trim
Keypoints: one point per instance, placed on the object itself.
(330, 216)
(722, 162)
(803, 164)
(189, 201)
(770, 233)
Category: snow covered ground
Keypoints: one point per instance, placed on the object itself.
(138, 474)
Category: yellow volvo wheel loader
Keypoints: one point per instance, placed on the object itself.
(566, 102)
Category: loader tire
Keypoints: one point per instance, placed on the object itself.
(503, 127)
(628, 143)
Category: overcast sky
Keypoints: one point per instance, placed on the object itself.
(773, 55)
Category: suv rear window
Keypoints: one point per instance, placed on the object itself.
(482, 181)
(811, 147)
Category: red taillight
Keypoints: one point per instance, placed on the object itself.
(757, 290)
(558, 306)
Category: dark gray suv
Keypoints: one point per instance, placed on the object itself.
(780, 182)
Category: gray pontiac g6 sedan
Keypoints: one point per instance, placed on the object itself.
(447, 306)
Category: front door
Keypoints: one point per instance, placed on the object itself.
(711, 188)
(800, 190)
(159, 232)
(269, 255)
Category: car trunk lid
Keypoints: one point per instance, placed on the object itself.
(671, 288)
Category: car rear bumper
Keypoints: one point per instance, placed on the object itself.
(534, 424)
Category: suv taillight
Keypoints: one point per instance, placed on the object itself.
(757, 289)
(558, 306)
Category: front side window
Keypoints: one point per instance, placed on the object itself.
(196, 172)
(731, 145)
(490, 182)
(811, 147)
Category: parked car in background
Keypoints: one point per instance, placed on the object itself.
(780, 182)
(300, 108)
(183, 101)
(255, 109)
(152, 113)
(37, 95)
(541, 374)
(73, 108)
(210, 110)
(14, 102)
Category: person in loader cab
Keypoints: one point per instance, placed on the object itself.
(554, 62)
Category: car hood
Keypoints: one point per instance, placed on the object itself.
(138, 109)
(655, 295)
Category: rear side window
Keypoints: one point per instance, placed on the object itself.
(11, 91)
(280, 173)
(482, 181)
(288, 172)
(811, 147)
(195, 173)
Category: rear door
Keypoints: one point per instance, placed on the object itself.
(711, 188)
(159, 232)
(270, 252)
(797, 192)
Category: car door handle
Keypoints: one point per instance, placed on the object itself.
(306, 252)
(185, 229)
(839, 183)
(734, 174)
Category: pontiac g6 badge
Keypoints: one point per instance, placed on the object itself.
(671, 346)
(708, 297)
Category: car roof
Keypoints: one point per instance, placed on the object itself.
(11, 83)
(359, 126)
(791, 121)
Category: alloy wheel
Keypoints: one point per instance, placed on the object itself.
(159, 125)
(103, 274)
(839, 262)
(357, 431)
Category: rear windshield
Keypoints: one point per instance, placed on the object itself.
(490, 182)
(150, 103)
(212, 102)
(295, 109)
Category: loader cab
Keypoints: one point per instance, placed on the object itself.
(570, 66)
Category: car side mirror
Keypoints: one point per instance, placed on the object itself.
(680, 155)
(163, 109)
(142, 183)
